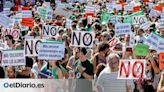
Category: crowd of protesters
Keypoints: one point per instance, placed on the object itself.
(99, 63)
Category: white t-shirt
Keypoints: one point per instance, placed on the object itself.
(109, 83)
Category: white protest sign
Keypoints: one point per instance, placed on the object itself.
(139, 20)
(6, 11)
(110, 6)
(5, 21)
(122, 28)
(31, 47)
(145, 26)
(128, 8)
(51, 51)
(13, 58)
(162, 15)
(82, 39)
(153, 40)
(131, 69)
(132, 39)
(49, 15)
(154, 13)
(151, 5)
(26, 14)
(13, 32)
(49, 31)
(161, 45)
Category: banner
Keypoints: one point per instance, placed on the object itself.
(122, 28)
(13, 58)
(82, 39)
(51, 50)
(31, 47)
(49, 31)
(13, 32)
(131, 69)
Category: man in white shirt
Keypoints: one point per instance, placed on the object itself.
(107, 80)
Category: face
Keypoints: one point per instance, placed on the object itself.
(9, 41)
(10, 73)
(114, 63)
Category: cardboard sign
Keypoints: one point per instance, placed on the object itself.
(5, 21)
(82, 39)
(26, 14)
(13, 58)
(51, 51)
(31, 47)
(49, 31)
(122, 28)
(13, 32)
(161, 60)
(28, 22)
(139, 20)
(131, 69)
(141, 50)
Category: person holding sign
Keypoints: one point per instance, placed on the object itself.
(107, 80)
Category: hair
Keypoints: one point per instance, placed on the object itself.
(102, 46)
(99, 68)
(111, 56)
(11, 38)
(83, 50)
(2, 72)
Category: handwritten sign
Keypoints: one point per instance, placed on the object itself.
(131, 69)
(13, 58)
